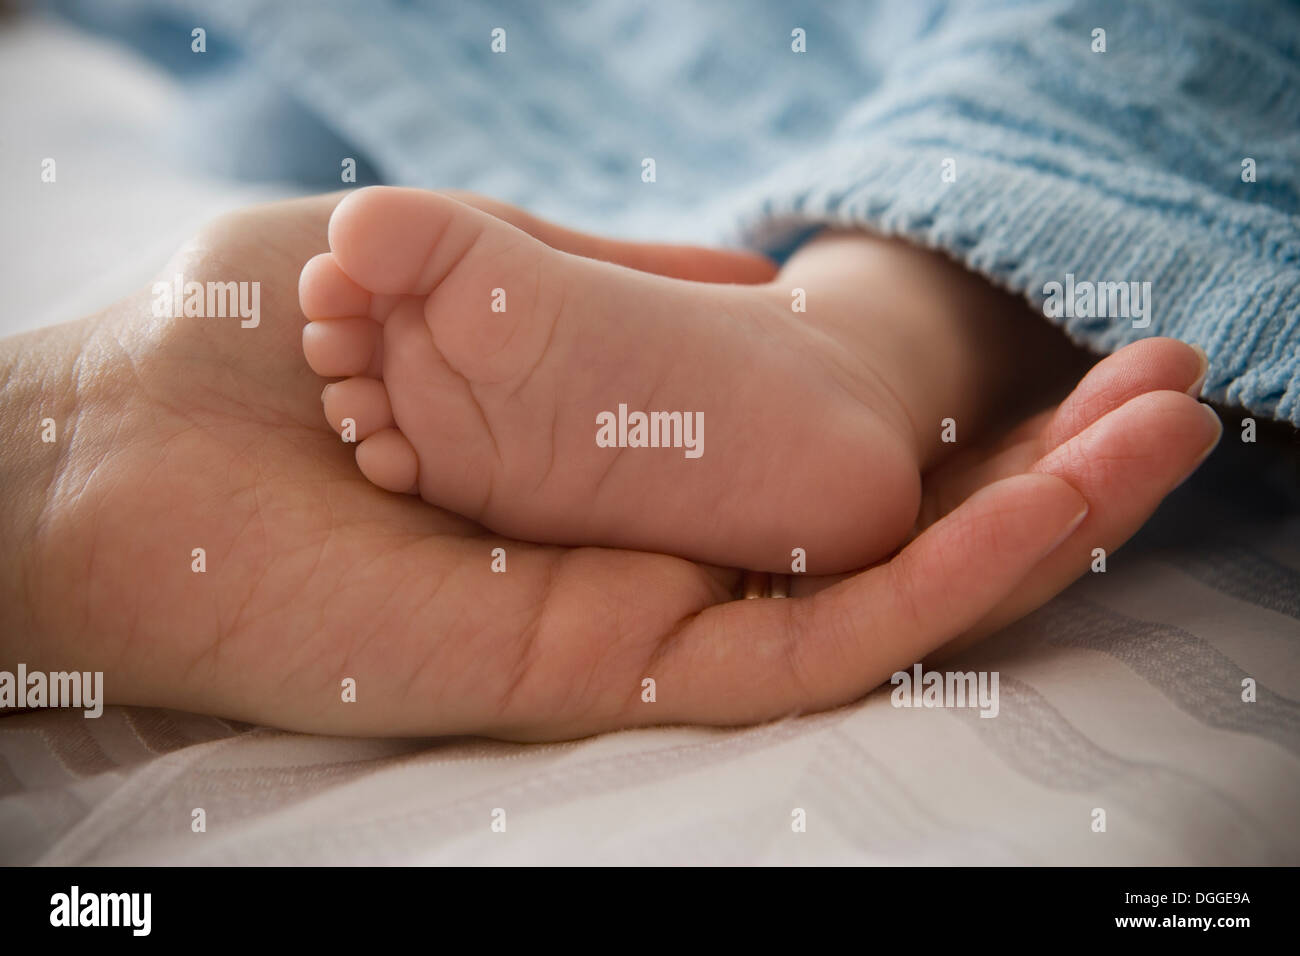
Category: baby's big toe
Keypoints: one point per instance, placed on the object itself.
(400, 241)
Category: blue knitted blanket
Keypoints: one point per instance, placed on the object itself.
(1133, 166)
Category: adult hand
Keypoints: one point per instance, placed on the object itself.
(179, 434)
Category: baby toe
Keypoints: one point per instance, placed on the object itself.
(387, 459)
(337, 347)
(326, 292)
(363, 401)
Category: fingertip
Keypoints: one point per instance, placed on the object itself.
(1148, 445)
(1149, 365)
(1213, 437)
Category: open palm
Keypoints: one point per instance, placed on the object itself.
(196, 433)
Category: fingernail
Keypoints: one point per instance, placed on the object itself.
(1070, 528)
(1218, 433)
(325, 391)
(1200, 459)
(1195, 390)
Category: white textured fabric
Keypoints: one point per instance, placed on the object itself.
(1123, 694)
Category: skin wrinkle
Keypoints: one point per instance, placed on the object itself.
(620, 454)
(133, 629)
(800, 640)
(294, 671)
(662, 649)
(378, 313)
(430, 649)
(74, 400)
(235, 620)
(478, 407)
(550, 463)
(333, 592)
(237, 623)
(489, 479)
(758, 324)
(709, 627)
(237, 411)
(897, 579)
(155, 402)
(432, 284)
(404, 691)
(88, 479)
(160, 400)
(76, 388)
(555, 314)
(530, 637)
(590, 703)
(130, 636)
(491, 641)
(317, 571)
(379, 625)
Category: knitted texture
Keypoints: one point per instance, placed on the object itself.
(995, 131)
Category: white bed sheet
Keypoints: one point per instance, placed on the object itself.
(117, 209)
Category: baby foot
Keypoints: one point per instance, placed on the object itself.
(501, 378)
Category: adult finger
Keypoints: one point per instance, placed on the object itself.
(1124, 464)
(1150, 365)
(752, 660)
(696, 263)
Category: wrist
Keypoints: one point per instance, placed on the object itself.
(38, 419)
